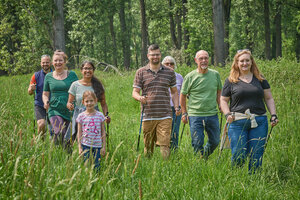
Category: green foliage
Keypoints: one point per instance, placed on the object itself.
(34, 169)
(26, 30)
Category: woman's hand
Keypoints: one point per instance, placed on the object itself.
(274, 120)
(70, 106)
(46, 105)
(107, 119)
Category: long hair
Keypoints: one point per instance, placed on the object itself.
(96, 83)
(235, 72)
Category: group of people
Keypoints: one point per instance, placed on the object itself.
(60, 92)
(197, 98)
(166, 99)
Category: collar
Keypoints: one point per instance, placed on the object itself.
(162, 67)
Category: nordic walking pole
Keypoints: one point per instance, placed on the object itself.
(268, 137)
(138, 144)
(182, 132)
(107, 134)
(223, 140)
(34, 112)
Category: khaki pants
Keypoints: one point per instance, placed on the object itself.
(157, 132)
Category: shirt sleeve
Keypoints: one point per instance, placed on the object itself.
(46, 83)
(219, 82)
(185, 86)
(137, 83)
(265, 84)
(79, 118)
(173, 80)
(72, 89)
(226, 92)
(32, 80)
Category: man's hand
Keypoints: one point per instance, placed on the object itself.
(32, 87)
(184, 118)
(143, 99)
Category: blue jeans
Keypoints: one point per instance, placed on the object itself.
(96, 155)
(197, 126)
(245, 141)
(175, 129)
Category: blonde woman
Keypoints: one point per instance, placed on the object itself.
(55, 95)
(248, 92)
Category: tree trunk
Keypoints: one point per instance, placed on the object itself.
(298, 46)
(185, 30)
(219, 32)
(125, 39)
(144, 33)
(172, 25)
(186, 37)
(267, 30)
(58, 26)
(227, 6)
(278, 29)
(179, 29)
(113, 37)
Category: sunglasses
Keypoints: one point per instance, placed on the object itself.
(169, 64)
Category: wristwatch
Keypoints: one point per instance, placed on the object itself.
(185, 114)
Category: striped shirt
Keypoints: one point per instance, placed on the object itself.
(91, 129)
(155, 85)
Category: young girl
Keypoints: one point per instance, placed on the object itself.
(91, 133)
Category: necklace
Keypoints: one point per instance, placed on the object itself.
(59, 74)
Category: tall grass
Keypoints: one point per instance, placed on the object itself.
(36, 169)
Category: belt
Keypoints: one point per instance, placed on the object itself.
(247, 115)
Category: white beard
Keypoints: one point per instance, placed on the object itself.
(204, 67)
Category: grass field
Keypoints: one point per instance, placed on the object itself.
(34, 169)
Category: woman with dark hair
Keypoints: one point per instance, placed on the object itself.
(88, 83)
(55, 96)
(248, 92)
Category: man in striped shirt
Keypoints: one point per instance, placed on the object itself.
(154, 80)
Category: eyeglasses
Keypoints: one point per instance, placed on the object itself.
(169, 64)
(87, 68)
(154, 54)
(202, 58)
(239, 51)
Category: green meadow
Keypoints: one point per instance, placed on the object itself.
(31, 168)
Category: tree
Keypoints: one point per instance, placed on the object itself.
(219, 32)
(125, 38)
(58, 26)
(278, 29)
(227, 7)
(267, 30)
(144, 31)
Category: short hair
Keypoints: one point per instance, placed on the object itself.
(201, 51)
(45, 56)
(153, 47)
(170, 58)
